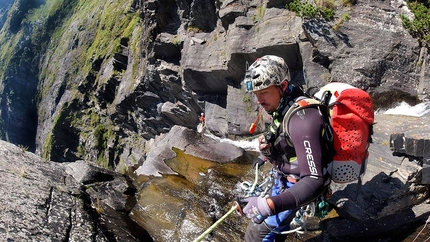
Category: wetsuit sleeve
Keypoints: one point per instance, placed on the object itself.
(306, 135)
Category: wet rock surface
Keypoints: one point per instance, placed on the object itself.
(43, 200)
(143, 99)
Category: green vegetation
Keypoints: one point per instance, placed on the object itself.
(175, 40)
(23, 147)
(22, 172)
(307, 10)
(92, 34)
(102, 135)
(114, 24)
(47, 146)
(246, 98)
(99, 209)
(50, 140)
(330, 4)
(258, 17)
(134, 48)
(326, 76)
(419, 27)
(345, 17)
(194, 29)
(76, 37)
(134, 22)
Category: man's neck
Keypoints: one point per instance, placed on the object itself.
(287, 100)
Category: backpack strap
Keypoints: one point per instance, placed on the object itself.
(363, 164)
(300, 104)
(324, 110)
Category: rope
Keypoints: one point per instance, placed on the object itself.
(255, 180)
(204, 234)
(298, 230)
(425, 225)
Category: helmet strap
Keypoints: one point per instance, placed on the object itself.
(285, 102)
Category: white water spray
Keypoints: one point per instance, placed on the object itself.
(403, 108)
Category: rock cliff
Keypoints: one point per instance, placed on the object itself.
(106, 82)
(181, 189)
(48, 201)
(97, 81)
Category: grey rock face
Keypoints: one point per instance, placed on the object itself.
(186, 183)
(185, 57)
(38, 201)
(41, 202)
(371, 51)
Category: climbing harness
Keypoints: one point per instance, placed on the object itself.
(298, 224)
(257, 190)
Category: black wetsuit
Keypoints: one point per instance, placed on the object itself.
(304, 159)
(306, 134)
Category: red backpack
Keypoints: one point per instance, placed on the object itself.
(348, 112)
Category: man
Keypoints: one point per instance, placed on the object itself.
(202, 118)
(299, 161)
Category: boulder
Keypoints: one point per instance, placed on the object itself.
(190, 142)
(42, 202)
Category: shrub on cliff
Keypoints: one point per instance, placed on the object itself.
(419, 26)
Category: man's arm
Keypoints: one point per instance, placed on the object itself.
(306, 134)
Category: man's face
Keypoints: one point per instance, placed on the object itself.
(269, 98)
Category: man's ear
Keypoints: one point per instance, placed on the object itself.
(284, 85)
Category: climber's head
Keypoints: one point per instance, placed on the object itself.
(268, 79)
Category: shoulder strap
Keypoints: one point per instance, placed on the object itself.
(301, 103)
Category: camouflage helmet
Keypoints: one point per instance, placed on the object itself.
(266, 71)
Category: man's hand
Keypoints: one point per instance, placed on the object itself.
(258, 161)
(263, 145)
(257, 209)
